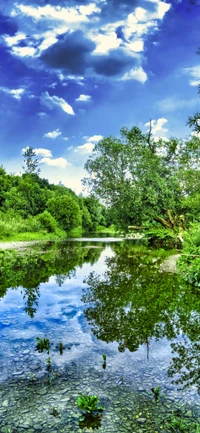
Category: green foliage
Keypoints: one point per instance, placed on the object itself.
(156, 393)
(60, 347)
(140, 179)
(189, 262)
(66, 211)
(88, 404)
(31, 164)
(47, 221)
(42, 344)
(178, 423)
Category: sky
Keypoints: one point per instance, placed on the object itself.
(75, 71)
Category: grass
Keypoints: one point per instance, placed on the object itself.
(37, 236)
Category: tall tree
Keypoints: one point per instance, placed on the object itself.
(143, 181)
(31, 163)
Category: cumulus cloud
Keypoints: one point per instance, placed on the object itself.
(94, 138)
(65, 138)
(135, 74)
(43, 152)
(84, 98)
(56, 162)
(53, 134)
(194, 73)
(157, 126)
(54, 101)
(15, 93)
(85, 148)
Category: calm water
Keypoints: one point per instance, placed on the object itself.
(96, 298)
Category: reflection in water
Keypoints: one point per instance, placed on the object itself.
(28, 271)
(133, 301)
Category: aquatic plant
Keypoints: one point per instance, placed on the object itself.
(89, 404)
(42, 344)
(50, 373)
(156, 393)
(31, 377)
(104, 361)
(60, 347)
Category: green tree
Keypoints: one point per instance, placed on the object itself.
(141, 180)
(65, 210)
(31, 163)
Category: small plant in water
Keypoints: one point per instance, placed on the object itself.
(31, 377)
(104, 361)
(60, 347)
(89, 404)
(42, 344)
(156, 393)
(50, 374)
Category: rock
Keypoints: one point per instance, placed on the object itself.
(141, 420)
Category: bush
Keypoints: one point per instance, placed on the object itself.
(66, 211)
(47, 221)
(189, 262)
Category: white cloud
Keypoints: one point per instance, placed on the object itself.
(157, 125)
(15, 93)
(58, 19)
(94, 138)
(53, 134)
(84, 98)
(65, 138)
(194, 72)
(135, 74)
(57, 13)
(24, 51)
(85, 148)
(13, 40)
(54, 101)
(56, 162)
(105, 42)
(43, 152)
(42, 115)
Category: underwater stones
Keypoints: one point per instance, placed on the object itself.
(5, 403)
(141, 420)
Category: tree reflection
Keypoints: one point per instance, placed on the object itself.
(134, 301)
(29, 270)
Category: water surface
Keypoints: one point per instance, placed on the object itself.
(97, 297)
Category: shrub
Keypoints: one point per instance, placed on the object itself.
(189, 262)
(47, 221)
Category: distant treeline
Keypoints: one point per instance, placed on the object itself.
(29, 203)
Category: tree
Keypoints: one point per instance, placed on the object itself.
(31, 164)
(65, 210)
(139, 179)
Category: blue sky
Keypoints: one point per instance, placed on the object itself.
(74, 71)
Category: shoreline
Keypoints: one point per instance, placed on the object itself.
(19, 244)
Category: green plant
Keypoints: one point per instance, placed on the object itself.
(104, 361)
(156, 393)
(89, 404)
(42, 344)
(60, 347)
(50, 374)
(31, 377)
